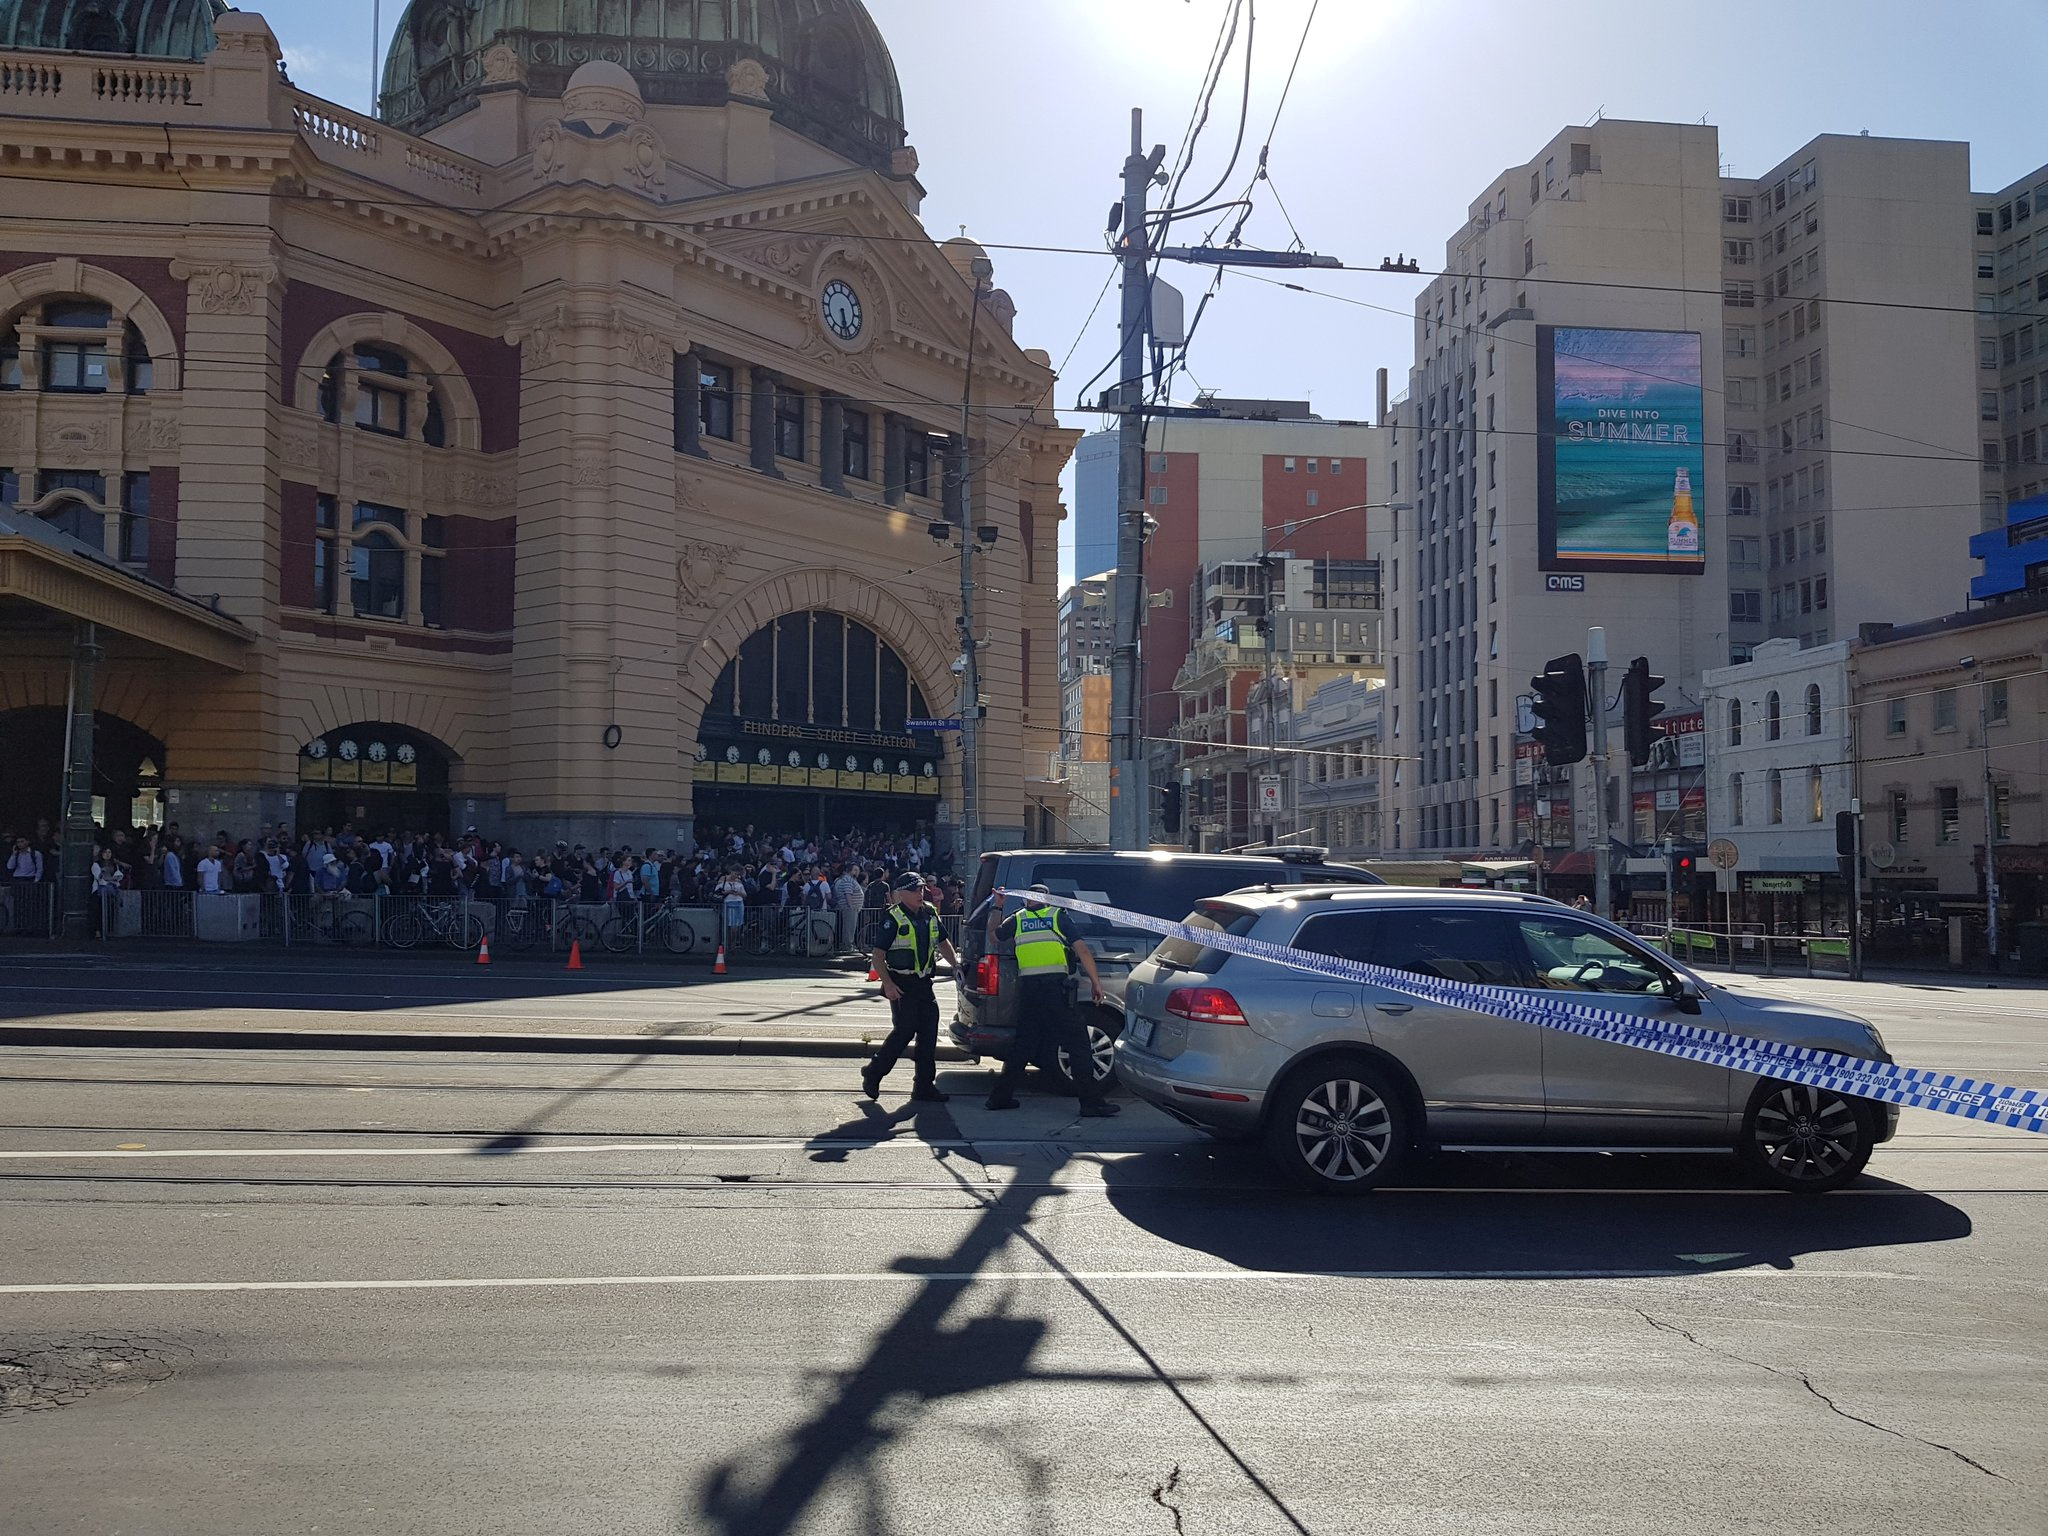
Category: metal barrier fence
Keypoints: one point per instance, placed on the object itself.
(511, 925)
(1749, 948)
(29, 909)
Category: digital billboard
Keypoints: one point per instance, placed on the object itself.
(1621, 453)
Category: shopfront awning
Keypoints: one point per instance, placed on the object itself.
(50, 581)
(1498, 869)
(1429, 872)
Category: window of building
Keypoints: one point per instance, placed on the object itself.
(2001, 812)
(1987, 352)
(792, 432)
(1896, 806)
(75, 364)
(1746, 607)
(1738, 294)
(1735, 722)
(1773, 725)
(715, 400)
(380, 406)
(1950, 815)
(1820, 594)
(853, 444)
(1312, 499)
(377, 574)
(917, 462)
(1776, 785)
(1815, 801)
(1945, 709)
(135, 518)
(1895, 717)
(1997, 702)
(1493, 698)
(1738, 253)
(1735, 210)
(1735, 799)
(1742, 501)
(1158, 463)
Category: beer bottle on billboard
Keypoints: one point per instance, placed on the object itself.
(1684, 535)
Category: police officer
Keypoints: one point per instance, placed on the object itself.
(1044, 955)
(909, 941)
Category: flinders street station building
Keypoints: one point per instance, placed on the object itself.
(579, 448)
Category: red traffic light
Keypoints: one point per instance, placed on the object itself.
(1684, 865)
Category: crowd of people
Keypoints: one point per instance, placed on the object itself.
(843, 874)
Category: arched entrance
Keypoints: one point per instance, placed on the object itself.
(127, 770)
(808, 730)
(380, 776)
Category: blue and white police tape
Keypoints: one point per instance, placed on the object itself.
(1913, 1087)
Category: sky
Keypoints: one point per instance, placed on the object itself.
(1400, 113)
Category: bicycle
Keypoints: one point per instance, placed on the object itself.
(449, 921)
(342, 920)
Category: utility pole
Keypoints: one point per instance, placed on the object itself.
(1856, 892)
(980, 271)
(1596, 707)
(1130, 801)
(1990, 825)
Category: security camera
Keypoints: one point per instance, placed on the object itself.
(960, 665)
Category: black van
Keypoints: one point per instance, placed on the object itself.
(1164, 885)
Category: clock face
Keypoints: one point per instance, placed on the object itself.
(703, 752)
(732, 754)
(348, 751)
(903, 765)
(824, 759)
(764, 757)
(316, 749)
(377, 751)
(796, 759)
(841, 306)
(852, 763)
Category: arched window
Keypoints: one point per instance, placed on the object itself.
(1813, 709)
(1773, 723)
(74, 337)
(378, 575)
(76, 346)
(391, 394)
(1735, 722)
(1734, 799)
(1777, 786)
(82, 522)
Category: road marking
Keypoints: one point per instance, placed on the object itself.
(946, 1277)
(485, 1149)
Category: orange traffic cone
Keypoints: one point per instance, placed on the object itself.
(718, 965)
(575, 954)
(483, 955)
(873, 975)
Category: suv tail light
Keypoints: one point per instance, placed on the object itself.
(988, 975)
(1205, 1005)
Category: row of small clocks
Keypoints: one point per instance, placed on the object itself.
(851, 763)
(348, 751)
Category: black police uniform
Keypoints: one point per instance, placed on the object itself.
(912, 941)
(1046, 1014)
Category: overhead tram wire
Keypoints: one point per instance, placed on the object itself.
(1468, 330)
(925, 241)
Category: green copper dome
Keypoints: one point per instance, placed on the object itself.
(153, 29)
(830, 77)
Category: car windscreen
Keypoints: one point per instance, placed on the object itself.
(1184, 954)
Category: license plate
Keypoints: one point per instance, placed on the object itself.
(1140, 1032)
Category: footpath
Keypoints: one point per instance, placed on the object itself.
(436, 1001)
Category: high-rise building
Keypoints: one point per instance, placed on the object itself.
(2012, 342)
(1084, 635)
(1696, 410)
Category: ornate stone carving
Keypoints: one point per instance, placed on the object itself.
(547, 149)
(651, 353)
(788, 254)
(747, 79)
(688, 497)
(503, 66)
(699, 569)
(376, 476)
(77, 442)
(225, 290)
(646, 159)
(903, 162)
(479, 488)
(163, 430)
(590, 469)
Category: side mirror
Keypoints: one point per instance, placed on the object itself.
(1684, 992)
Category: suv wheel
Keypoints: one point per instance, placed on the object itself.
(1807, 1140)
(1338, 1127)
(1101, 1046)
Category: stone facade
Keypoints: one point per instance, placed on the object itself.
(509, 449)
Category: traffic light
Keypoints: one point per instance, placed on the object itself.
(1560, 710)
(1169, 810)
(1639, 706)
(1681, 865)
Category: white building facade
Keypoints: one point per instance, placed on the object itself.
(1780, 749)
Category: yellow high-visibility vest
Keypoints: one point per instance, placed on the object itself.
(1041, 942)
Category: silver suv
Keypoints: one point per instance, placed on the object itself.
(1341, 1080)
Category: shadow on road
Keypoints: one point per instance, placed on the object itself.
(1456, 1217)
(1509, 1215)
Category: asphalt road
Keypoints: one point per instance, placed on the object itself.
(264, 1292)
